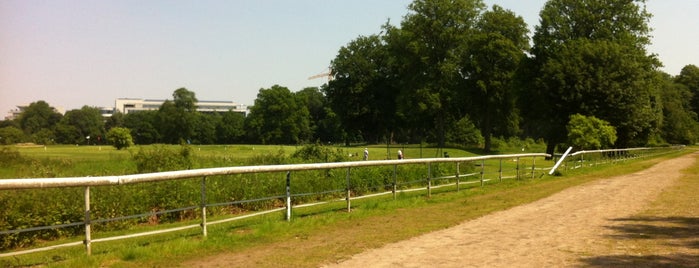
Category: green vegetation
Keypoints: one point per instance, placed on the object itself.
(120, 137)
(590, 133)
(269, 240)
(158, 199)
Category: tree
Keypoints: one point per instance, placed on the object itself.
(324, 122)
(589, 132)
(11, 135)
(689, 77)
(679, 124)
(185, 100)
(231, 128)
(278, 117)
(490, 63)
(120, 137)
(361, 93)
(590, 58)
(142, 125)
(434, 35)
(84, 125)
(177, 119)
(116, 120)
(38, 115)
(206, 124)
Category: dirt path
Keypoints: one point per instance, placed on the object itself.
(552, 232)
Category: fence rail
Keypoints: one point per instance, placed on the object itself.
(458, 178)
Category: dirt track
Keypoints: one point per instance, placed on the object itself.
(560, 230)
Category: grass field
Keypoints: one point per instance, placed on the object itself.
(326, 233)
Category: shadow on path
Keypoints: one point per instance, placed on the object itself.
(678, 235)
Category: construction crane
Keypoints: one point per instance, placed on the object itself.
(327, 74)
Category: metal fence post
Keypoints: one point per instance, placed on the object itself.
(395, 175)
(203, 206)
(348, 190)
(533, 165)
(88, 239)
(482, 171)
(429, 179)
(517, 168)
(457, 177)
(288, 196)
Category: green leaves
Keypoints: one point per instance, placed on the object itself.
(589, 132)
(120, 138)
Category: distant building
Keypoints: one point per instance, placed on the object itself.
(130, 105)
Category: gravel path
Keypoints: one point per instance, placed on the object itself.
(552, 232)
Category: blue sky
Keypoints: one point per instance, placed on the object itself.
(72, 53)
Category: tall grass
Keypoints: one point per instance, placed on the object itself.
(45, 207)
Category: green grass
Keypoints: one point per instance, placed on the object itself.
(322, 234)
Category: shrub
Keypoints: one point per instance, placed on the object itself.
(589, 132)
(317, 153)
(11, 135)
(120, 137)
(161, 158)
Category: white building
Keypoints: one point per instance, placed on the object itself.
(129, 105)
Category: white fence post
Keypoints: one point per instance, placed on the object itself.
(349, 206)
(88, 239)
(203, 206)
(288, 196)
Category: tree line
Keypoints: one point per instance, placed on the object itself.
(452, 71)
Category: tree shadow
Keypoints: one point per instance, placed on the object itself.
(678, 234)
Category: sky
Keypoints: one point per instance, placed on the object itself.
(72, 53)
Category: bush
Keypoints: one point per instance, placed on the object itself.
(589, 132)
(11, 135)
(317, 153)
(161, 158)
(120, 137)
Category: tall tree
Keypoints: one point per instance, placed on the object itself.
(590, 58)
(679, 124)
(82, 126)
(231, 128)
(278, 117)
(361, 93)
(178, 118)
(689, 77)
(324, 123)
(143, 126)
(490, 63)
(38, 115)
(434, 33)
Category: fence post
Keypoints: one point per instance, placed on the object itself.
(288, 196)
(457, 177)
(203, 206)
(517, 168)
(429, 179)
(482, 171)
(88, 239)
(348, 190)
(395, 175)
(533, 165)
(500, 171)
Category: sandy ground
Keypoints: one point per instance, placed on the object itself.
(558, 231)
